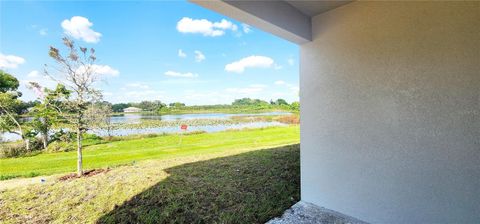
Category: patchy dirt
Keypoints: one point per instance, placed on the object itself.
(87, 173)
(19, 182)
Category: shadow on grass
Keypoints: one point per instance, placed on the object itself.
(252, 187)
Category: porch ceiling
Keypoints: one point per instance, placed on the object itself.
(288, 19)
(313, 8)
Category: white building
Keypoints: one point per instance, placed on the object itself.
(390, 104)
(132, 110)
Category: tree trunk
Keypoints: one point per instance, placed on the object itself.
(79, 153)
(45, 132)
(45, 140)
(27, 144)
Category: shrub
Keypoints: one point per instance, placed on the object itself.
(64, 136)
(59, 146)
(12, 149)
(195, 132)
(290, 119)
(17, 149)
(88, 136)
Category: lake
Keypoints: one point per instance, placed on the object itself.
(170, 117)
(137, 118)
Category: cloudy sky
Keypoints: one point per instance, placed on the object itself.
(168, 51)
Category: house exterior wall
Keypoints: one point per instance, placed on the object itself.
(390, 108)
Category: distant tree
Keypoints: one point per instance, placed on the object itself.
(78, 77)
(176, 104)
(255, 103)
(24, 107)
(118, 107)
(150, 105)
(281, 102)
(295, 106)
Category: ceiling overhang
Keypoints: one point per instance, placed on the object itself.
(290, 20)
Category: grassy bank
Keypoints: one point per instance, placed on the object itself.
(163, 147)
(240, 185)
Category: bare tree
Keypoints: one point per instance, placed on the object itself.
(76, 73)
(98, 116)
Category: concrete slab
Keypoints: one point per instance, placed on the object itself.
(307, 213)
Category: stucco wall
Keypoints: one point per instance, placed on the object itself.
(390, 111)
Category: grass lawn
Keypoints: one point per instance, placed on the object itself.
(211, 181)
(163, 147)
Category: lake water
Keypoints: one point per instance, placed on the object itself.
(137, 118)
(171, 117)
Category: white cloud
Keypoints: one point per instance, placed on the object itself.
(249, 62)
(291, 62)
(43, 32)
(225, 25)
(246, 28)
(251, 89)
(277, 67)
(294, 88)
(144, 94)
(182, 75)
(280, 82)
(33, 74)
(138, 85)
(79, 28)
(181, 53)
(37, 77)
(258, 86)
(102, 70)
(199, 56)
(10, 61)
(205, 27)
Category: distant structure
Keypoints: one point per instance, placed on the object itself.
(132, 110)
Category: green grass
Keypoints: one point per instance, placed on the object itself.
(163, 147)
(238, 185)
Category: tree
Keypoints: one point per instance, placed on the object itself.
(9, 116)
(118, 107)
(77, 78)
(281, 102)
(176, 104)
(8, 82)
(98, 115)
(150, 105)
(44, 113)
(295, 106)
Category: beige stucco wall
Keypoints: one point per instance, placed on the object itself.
(390, 95)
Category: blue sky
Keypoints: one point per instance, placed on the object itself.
(168, 51)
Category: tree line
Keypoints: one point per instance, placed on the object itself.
(245, 103)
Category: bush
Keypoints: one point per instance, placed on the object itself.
(63, 136)
(195, 132)
(290, 119)
(12, 149)
(59, 146)
(17, 149)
